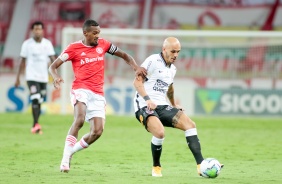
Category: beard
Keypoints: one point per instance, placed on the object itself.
(94, 44)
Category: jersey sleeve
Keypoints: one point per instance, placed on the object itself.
(173, 73)
(24, 50)
(149, 65)
(51, 51)
(67, 54)
(109, 47)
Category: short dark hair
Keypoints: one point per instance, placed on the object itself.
(88, 23)
(37, 23)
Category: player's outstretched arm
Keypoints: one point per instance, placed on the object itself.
(129, 60)
(52, 59)
(57, 80)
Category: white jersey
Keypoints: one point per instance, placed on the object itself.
(159, 78)
(37, 59)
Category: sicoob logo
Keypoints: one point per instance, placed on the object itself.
(208, 99)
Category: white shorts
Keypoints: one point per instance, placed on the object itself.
(95, 104)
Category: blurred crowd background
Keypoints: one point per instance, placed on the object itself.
(17, 15)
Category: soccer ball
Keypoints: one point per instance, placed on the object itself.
(210, 168)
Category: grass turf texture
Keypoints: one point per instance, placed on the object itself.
(250, 148)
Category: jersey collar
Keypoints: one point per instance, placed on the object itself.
(161, 56)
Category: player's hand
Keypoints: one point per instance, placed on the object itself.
(17, 83)
(151, 105)
(140, 71)
(57, 82)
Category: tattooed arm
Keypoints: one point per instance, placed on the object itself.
(170, 95)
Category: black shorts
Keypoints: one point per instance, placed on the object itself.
(164, 112)
(37, 87)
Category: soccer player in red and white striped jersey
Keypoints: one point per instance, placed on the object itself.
(87, 96)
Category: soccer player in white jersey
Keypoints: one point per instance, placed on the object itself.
(87, 94)
(152, 108)
(36, 55)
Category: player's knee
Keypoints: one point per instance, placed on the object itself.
(157, 131)
(160, 134)
(97, 132)
(43, 93)
(192, 124)
(35, 98)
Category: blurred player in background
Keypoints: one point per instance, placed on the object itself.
(152, 108)
(36, 55)
(87, 95)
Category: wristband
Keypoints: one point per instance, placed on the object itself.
(146, 98)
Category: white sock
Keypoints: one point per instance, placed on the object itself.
(157, 141)
(80, 145)
(190, 132)
(69, 144)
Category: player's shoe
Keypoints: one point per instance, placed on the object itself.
(65, 165)
(199, 170)
(157, 171)
(36, 129)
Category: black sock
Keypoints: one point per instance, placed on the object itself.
(195, 147)
(35, 113)
(156, 153)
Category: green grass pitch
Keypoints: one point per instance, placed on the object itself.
(250, 148)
